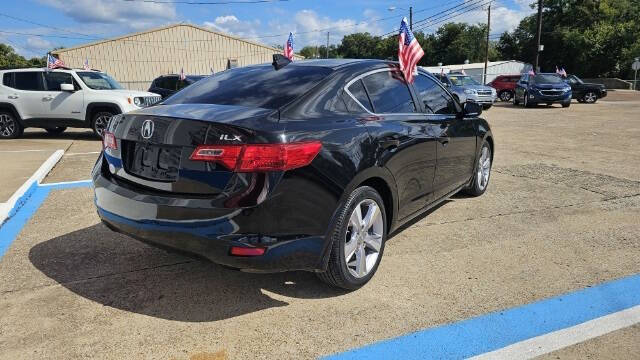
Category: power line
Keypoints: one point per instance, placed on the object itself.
(442, 20)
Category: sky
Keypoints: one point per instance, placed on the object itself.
(33, 27)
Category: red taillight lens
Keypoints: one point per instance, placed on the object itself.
(109, 141)
(259, 157)
(246, 251)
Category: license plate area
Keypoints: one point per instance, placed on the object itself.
(152, 162)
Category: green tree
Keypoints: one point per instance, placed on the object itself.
(9, 59)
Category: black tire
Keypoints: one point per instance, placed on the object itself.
(479, 184)
(505, 95)
(56, 130)
(566, 104)
(580, 100)
(590, 97)
(98, 123)
(527, 103)
(337, 273)
(515, 100)
(10, 127)
(487, 106)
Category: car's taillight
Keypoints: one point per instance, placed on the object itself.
(259, 157)
(247, 251)
(109, 141)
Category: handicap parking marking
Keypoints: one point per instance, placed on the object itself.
(35, 197)
(522, 332)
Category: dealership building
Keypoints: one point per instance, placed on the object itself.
(136, 59)
(476, 70)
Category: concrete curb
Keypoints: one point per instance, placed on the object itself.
(17, 200)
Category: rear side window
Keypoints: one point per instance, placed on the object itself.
(28, 80)
(434, 98)
(170, 83)
(389, 93)
(255, 86)
(7, 79)
(357, 90)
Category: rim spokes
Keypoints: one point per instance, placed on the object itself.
(350, 248)
(372, 215)
(363, 239)
(373, 241)
(361, 261)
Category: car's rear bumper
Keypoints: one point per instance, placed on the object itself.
(192, 227)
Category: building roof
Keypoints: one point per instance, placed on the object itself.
(124, 37)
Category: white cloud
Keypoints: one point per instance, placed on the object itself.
(230, 24)
(38, 44)
(129, 15)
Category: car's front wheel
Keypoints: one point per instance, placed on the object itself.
(100, 121)
(482, 173)
(506, 96)
(10, 127)
(357, 240)
(590, 97)
(515, 100)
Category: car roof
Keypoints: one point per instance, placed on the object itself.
(51, 70)
(341, 63)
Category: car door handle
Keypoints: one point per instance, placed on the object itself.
(444, 140)
(47, 98)
(13, 96)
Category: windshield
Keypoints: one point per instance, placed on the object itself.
(253, 86)
(99, 81)
(462, 80)
(547, 79)
(574, 79)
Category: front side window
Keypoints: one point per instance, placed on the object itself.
(389, 93)
(99, 81)
(462, 80)
(434, 98)
(254, 86)
(28, 80)
(53, 80)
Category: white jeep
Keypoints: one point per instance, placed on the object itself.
(61, 98)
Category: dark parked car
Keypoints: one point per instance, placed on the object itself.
(542, 88)
(585, 92)
(307, 167)
(505, 86)
(167, 85)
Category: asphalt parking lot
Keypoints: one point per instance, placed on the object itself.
(562, 214)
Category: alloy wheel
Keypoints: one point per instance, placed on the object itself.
(590, 97)
(526, 100)
(505, 96)
(484, 168)
(100, 123)
(363, 238)
(7, 125)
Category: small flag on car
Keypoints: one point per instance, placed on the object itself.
(182, 76)
(563, 73)
(409, 51)
(86, 64)
(531, 72)
(53, 63)
(288, 47)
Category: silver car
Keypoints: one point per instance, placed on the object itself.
(465, 88)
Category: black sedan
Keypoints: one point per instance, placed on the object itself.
(585, 92)
(291, 166)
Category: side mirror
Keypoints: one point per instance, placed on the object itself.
(471, 109)
(67, 87)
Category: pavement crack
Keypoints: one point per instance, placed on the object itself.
(6, 292)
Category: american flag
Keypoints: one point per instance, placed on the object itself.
(86, 64)
(182, 76)
(563, 73)
(288, 47)
(53, 63)
(531, 72)
(409, 51)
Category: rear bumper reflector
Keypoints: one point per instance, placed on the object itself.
(247, 251)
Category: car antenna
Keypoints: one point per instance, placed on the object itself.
(280, 61)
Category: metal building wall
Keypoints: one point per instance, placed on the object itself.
(136, 59)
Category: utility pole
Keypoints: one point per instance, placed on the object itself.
(411, 18)
(486, 57)
(537, 66)
(327, 44)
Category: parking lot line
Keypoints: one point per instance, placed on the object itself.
(14, 224)
(573, 317)
(83, 153)
(22, 151)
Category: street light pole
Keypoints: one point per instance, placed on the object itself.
(486, 58)
(411, 18)
(537, 66)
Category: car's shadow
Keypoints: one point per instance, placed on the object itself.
(117, 271)
(67, 135)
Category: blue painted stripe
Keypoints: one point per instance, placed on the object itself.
(24, 210)
(499, 329)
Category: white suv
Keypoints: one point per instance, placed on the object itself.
(61, 98)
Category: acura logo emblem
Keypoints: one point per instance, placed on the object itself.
(147, 129)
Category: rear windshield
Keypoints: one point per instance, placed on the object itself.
(547, 79)
(253, 86)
